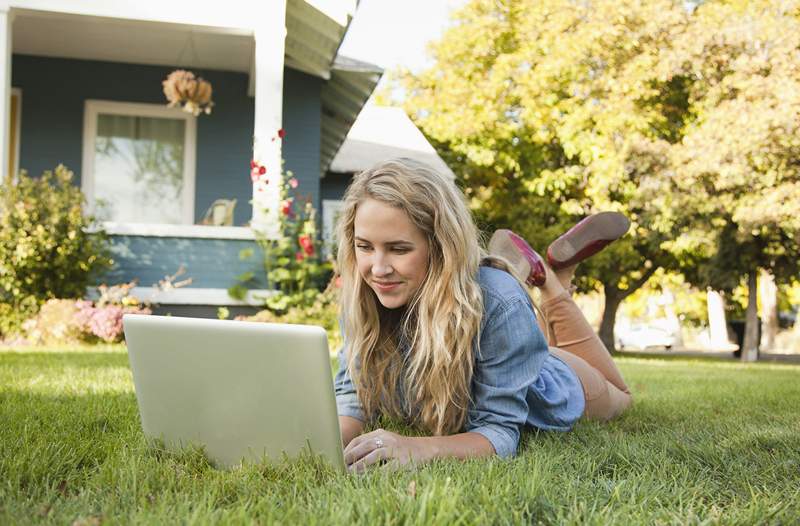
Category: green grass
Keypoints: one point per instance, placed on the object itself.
(705, 443)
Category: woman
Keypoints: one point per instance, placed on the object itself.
(437, 336)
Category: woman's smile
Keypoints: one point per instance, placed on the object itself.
(386, 286)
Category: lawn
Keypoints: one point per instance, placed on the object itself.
(706, 442)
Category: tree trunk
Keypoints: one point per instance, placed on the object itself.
(769, 310)
(613, 299)
(750, 345)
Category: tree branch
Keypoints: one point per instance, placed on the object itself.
(639, 282)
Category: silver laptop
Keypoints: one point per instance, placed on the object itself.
(243, 391)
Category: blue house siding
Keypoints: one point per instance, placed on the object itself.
(211, 263)
(334, 185)
(302, 120)
(54, 91)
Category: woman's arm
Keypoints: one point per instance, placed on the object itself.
(381, 445)
(350, 428)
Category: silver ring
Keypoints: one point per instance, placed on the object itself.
(378, 443)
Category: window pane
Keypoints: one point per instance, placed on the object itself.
(138, 169)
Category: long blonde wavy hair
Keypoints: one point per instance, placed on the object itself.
(442, 319)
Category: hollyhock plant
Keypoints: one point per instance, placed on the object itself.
(292, 262)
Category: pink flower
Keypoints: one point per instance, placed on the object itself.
(253, 164)
(293, 182)
(299, 256)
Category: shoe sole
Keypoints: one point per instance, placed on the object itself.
(502, 245)
(605, 226)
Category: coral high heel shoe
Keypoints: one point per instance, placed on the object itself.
(523, 258)
(587, 238)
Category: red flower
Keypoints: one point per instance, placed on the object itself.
(253, 164)
(299, 256)
(262, 170)
(307, 244)
(281, 133)
(286, 207)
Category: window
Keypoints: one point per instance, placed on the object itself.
(330, 215)
(139, 162)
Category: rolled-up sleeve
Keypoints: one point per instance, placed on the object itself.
(512, 352)
(347, 403)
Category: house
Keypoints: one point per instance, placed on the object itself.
(83, 81)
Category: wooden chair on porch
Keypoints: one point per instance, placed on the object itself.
(220, 213)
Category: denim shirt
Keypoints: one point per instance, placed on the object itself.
(516, 381)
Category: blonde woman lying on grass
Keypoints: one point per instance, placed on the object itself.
(443, 336)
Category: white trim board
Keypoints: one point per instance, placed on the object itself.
(193, 296)
(184, 231)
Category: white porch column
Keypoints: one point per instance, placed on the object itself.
(6, 19)
(270, 37)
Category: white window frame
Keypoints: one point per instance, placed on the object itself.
(93, 108)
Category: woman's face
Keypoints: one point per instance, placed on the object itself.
(391, 252)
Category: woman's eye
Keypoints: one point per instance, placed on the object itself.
(399, 250)
(362, 247)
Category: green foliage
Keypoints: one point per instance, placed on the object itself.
(48, 248)
(690, 304)
(292, 261)
(736, 179)
(688, 121)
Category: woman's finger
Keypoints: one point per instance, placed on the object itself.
(376, 455)
(353, 452)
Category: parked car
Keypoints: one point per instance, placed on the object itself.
(643, 337)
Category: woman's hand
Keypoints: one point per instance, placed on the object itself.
(385, 447)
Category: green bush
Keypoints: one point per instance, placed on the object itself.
(48, 248)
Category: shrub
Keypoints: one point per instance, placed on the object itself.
(48, 248)
(64, 322)
(57, 323)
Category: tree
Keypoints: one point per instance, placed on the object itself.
(549, 111)
(737, 169)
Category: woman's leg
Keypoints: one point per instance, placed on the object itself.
(571, 337)
(571, 331)
(603, 400)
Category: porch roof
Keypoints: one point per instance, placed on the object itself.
(343, 97)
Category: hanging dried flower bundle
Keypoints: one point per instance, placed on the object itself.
(192, 94)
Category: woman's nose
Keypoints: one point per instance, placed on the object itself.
(381, 266)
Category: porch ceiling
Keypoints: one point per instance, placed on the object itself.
(315, 29)
(131, 41)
